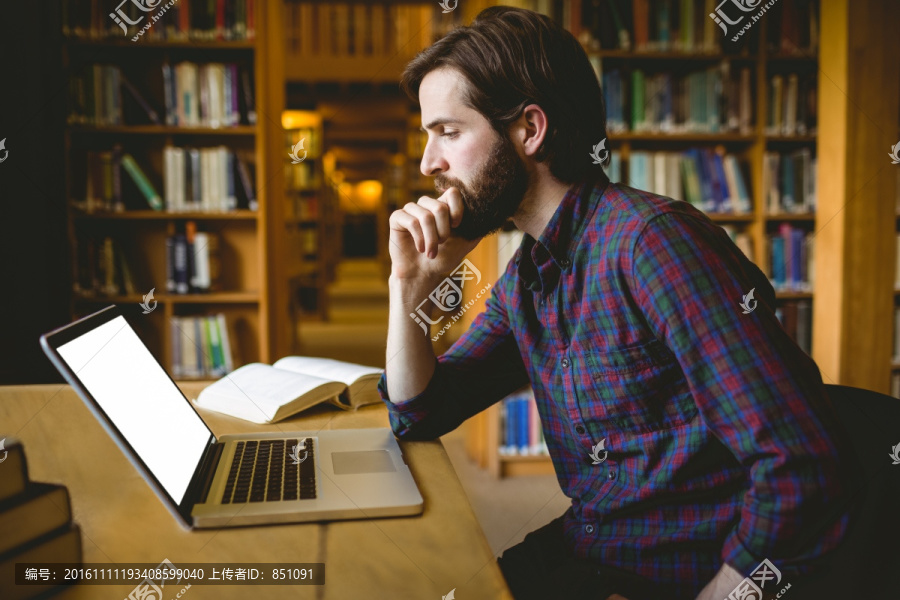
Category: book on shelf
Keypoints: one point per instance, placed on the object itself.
(796, 319)
(791, 258)
(713, 100)
(214, 95)
(95, 96)
(102, 268)
(710, 180)
(263, 393)
(741, 239)
(789, 182)
(650, 26)
(520, 426)
(201, 346)
(193, 264)
(793, 27)
(215, 179)
(792, 105)
(197, 20)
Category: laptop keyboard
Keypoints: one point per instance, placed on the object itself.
(264, 471)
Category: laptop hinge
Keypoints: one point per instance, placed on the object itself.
(209, 472)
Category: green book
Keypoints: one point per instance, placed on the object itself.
(637, 100)
(147, 189)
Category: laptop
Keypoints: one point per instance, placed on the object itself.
(232, 480)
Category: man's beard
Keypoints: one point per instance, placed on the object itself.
(494, 194)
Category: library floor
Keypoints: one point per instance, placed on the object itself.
(507, 509)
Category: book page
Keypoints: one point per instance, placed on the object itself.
(256, 391)
(335, 370)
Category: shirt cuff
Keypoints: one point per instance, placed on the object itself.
(405, 415)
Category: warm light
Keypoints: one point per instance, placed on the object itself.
(360, 197)
(295, 119)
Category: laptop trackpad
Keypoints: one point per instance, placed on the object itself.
(363, 461)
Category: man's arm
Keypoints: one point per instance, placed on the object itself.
(757, 391)
(428, 396)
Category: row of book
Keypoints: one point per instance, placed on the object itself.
(193, 263)
(194, 179)
(688, 25)
(791, 258)
(520, 426)
(302, 242)
(183, 20)
(796, 320)
(36, 521)
(212, 179)
(311, 138)
(789, 182)
(713, 100)
(712, 181)
(792, 101)
(213, 95)
(302, 207)
(336, 29)
(101, 268)
(302, 176)
(201, 346)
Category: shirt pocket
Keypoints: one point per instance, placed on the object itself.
(636, 389)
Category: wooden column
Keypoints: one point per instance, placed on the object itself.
(855, 220)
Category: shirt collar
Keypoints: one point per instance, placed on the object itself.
(564, 229)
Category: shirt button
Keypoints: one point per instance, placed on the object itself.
(564, 263)
(565, 363)
(612, 474)
(579, 428)
(589, 528)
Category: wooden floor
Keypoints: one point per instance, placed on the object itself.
(356, 331)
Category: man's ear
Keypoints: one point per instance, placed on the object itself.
(531, 129)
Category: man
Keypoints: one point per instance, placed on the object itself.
(622, 310)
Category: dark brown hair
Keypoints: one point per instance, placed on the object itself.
(512, 57)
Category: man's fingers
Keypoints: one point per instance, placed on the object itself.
(427, 226)
(453, 199)
(403, 221)
(441, 212)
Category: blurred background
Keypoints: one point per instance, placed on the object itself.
(240, 159)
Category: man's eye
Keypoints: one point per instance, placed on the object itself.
(450, 134)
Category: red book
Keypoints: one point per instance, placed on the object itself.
(641, 20)
(220, 19)
(184, 19)
(251, 20)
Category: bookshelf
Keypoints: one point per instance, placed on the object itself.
(206, 159)
(303, 215)
(845, 353)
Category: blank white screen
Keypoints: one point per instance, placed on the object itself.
(146, 407)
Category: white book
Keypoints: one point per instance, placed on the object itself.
(673, 176)
(168, 181)
(222, 166)
(659, 173)
(790, 106)
(226, 342)
(180, 184)
(201, 277)
(262, 393)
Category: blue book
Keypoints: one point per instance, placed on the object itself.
(778, 266)
(510, 424)
(724, 200)
(523, 424)
(707, 200)
(797, 238)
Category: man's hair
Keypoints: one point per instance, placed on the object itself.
(512, 57)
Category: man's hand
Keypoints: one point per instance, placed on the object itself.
(722, 584)
(422, 245)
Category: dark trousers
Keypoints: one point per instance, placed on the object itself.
(542, 567)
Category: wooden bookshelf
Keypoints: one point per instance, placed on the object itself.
(847, 234)
(249, 239)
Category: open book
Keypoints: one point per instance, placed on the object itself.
(265, 394)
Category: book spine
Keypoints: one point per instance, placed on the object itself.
(146, 188)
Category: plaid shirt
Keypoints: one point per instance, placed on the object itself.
(625, 318)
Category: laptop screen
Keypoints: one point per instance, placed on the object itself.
(140, 399)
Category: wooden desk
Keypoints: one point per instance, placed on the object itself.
(122, 520)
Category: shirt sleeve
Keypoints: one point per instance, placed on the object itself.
(482, 367)
(757, 391)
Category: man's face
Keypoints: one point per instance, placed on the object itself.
(463, 151)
